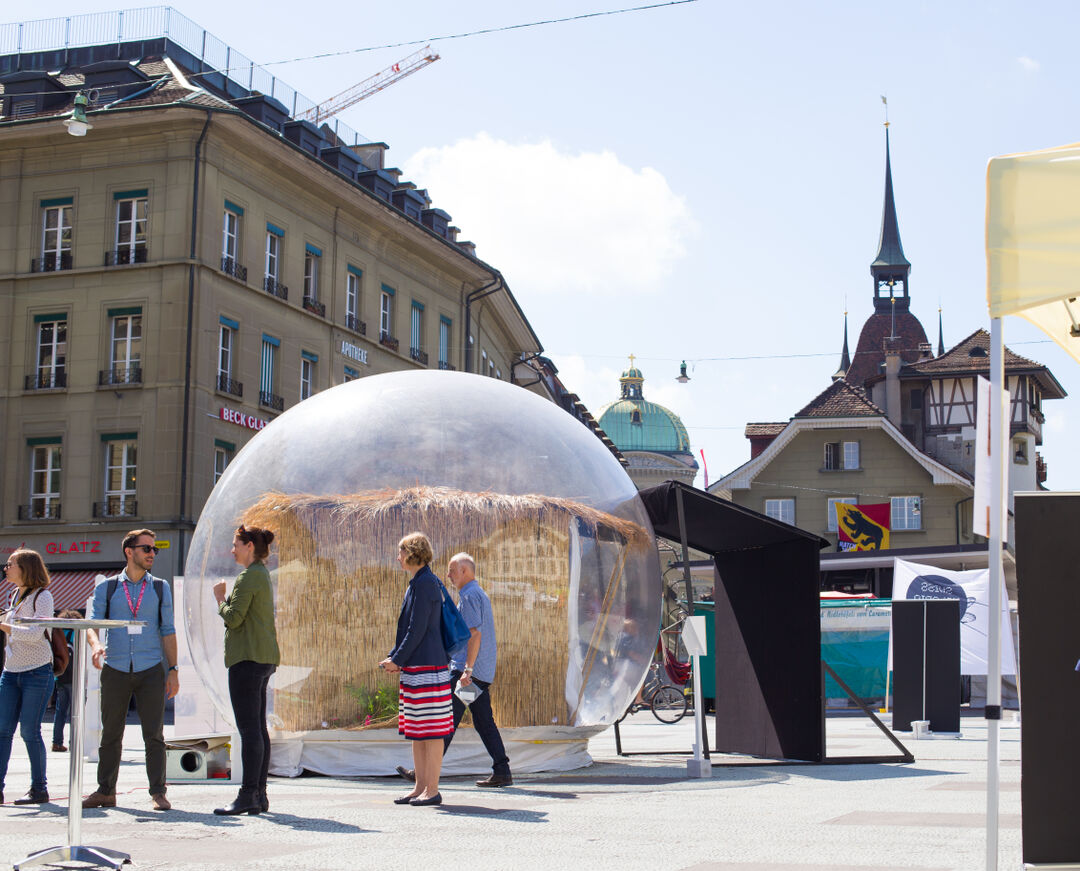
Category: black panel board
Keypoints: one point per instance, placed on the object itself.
(926, 663)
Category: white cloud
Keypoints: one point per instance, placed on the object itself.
(556, 222)
(1028, 64)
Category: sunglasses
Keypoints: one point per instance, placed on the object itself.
(146, 548)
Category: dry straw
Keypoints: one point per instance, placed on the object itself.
(339, 592)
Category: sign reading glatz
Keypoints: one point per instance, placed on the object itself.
(353, 352)
(249, 421)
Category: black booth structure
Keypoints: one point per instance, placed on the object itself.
(770, 695)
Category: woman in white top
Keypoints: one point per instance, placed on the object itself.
(27, 679)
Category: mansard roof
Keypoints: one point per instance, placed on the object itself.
(972, 357)
(840, 399)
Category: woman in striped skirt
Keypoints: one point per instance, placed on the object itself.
(425, 713)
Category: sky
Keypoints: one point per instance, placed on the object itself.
(702, 181)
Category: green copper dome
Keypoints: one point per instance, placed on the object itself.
(635, 424)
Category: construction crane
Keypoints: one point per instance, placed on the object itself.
(372, 85)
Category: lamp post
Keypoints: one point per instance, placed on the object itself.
(682, 377)
(77, 125)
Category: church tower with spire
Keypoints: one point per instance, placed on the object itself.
(892, 321)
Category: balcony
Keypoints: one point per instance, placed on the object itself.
(225, 384)
(388, 341)
(116, 506)
(314, 306)
(419, 356)
(40, 510)
(46, 381)
(450, 367)
(50, 263)
(352, 322)
(231, 268)
(125, 256)
(1040, 468)
(271, 400)
(120, 375)
(275, 288)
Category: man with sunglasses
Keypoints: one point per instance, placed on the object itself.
(132, 664)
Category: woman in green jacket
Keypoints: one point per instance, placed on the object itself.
(251, 656)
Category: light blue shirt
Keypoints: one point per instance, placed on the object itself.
(475, 607)
(124, 651)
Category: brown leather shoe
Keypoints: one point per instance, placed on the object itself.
(160, 803)
(99, 799)
(496, 780)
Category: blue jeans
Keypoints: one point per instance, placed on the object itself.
(62, 712)
(24, 696)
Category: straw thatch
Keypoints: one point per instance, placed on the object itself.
(339, 592)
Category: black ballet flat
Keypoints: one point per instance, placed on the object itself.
(424, 802)
(405, 799)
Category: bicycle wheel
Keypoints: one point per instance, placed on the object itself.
(668, 704)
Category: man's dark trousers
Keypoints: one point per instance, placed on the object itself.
(483, 722)
(117, 688)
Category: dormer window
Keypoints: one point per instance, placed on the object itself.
(635, 416)
(977, 352)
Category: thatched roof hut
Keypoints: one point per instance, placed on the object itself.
(560, 606)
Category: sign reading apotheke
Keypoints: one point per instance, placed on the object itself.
(354, 352)
(248, 421)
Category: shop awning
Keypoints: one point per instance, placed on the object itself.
(71, 589)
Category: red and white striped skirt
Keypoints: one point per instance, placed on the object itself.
(424, 705)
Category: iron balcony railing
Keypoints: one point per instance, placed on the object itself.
(120, 375)
(40, 510)
(125, 256)
(51, 263)
(354, 323)
(448, 366)
(116, 506)
(271, 400)
(47, 380)
(388, 341)
(418, 355)
(314, 306)
(230, 267)
(275, 288)
(227, 385)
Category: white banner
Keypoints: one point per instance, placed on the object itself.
(983, 466)
(914, 581)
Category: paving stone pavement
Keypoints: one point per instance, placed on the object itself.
(620, 813)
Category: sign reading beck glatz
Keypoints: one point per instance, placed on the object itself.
(248, 421)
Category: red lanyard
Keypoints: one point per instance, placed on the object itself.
(135, 607)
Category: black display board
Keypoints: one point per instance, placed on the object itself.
(1048, 590)
(926, 663)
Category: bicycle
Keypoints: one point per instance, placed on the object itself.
(667, 703)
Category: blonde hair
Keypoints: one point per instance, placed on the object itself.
(417, 549)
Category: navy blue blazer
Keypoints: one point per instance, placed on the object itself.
(419, 625)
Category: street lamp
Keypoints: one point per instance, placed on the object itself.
(683, 377)
(77, 125)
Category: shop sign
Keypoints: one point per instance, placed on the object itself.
(354, 352)
(248, 421)
(60, 547)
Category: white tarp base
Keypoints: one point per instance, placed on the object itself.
(375, 752)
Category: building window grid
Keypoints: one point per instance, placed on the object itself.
(352, 297)
(55, 237)
(905, 512)
(416, 328)
(444, 344)
(230, 235)
(221, 460)
(831, 523)
(45, 481)
(781, 509)
(841, 456)
(307, 376)
(120, 459)
(52, 353)
(311, 276)
(273, 257)
(130, 229)
(385, 312)
(126, 352)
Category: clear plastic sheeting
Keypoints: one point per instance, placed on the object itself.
(563, 544)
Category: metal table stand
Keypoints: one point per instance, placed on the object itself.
(74, 850)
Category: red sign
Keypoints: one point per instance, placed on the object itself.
(57, 547)
(248, 421)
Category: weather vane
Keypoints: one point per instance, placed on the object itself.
(886, 102)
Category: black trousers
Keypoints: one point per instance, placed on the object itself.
(117, 688)
(483, 721)
(247, 691)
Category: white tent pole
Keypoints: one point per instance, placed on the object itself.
(997, 534)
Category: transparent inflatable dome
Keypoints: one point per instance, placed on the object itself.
(562, 544)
